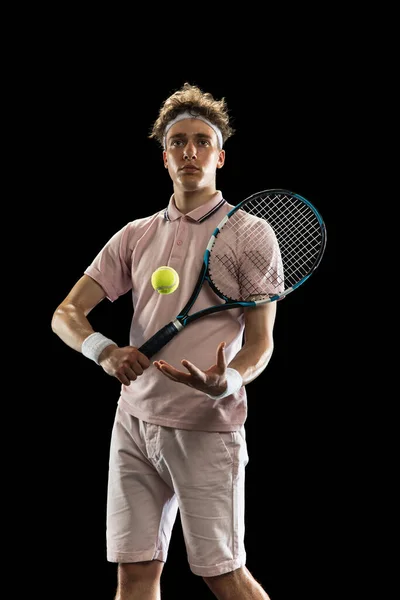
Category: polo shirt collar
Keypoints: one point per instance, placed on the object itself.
(199, 214)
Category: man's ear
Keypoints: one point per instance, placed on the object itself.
(221, 159)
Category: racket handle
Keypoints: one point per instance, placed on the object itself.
(159, 339)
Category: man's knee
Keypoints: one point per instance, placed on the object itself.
(231, 578)
(129, 573)
(235, 582)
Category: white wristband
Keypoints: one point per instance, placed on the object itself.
(234, 383)
(94, 345)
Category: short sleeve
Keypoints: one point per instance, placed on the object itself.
(111, 268)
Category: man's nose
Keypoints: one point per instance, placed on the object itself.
(189, 151)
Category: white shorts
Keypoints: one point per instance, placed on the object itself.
(155, 470)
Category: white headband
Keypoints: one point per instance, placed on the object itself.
(188, 115)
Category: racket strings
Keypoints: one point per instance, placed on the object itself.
(228, 265)
(266, 247)
(264, 267)
(235, 282)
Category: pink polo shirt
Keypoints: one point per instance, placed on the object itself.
(126, 264)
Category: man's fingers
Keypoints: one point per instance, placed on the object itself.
(193, 370)
(126, 375)
(165, 367)
(171, 372)
(221, 360)
(138, 368)
(143, 360)
(123, 379)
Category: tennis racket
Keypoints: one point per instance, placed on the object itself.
(262, 250)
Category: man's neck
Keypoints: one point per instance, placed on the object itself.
(185, 201)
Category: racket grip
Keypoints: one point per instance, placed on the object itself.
(159, 339)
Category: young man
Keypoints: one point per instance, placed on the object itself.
(178, 440)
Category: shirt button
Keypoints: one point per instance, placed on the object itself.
(179, 242)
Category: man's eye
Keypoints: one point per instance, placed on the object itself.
(177, 143)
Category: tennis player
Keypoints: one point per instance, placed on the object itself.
(178, 440)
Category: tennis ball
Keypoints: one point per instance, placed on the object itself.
(165, 280)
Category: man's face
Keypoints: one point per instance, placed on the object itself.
(192, 155)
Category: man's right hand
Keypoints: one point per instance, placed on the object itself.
(126, 364)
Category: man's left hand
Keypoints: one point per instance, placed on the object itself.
(213, 381)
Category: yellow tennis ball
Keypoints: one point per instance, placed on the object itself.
(165, 280)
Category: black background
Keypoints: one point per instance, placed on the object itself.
(97, 171)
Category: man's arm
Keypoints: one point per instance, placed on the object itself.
(69, 320)
(70, 323)
(257, 350)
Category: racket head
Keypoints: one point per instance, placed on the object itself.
(265, 247)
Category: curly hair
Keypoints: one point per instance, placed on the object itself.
(193, 99)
